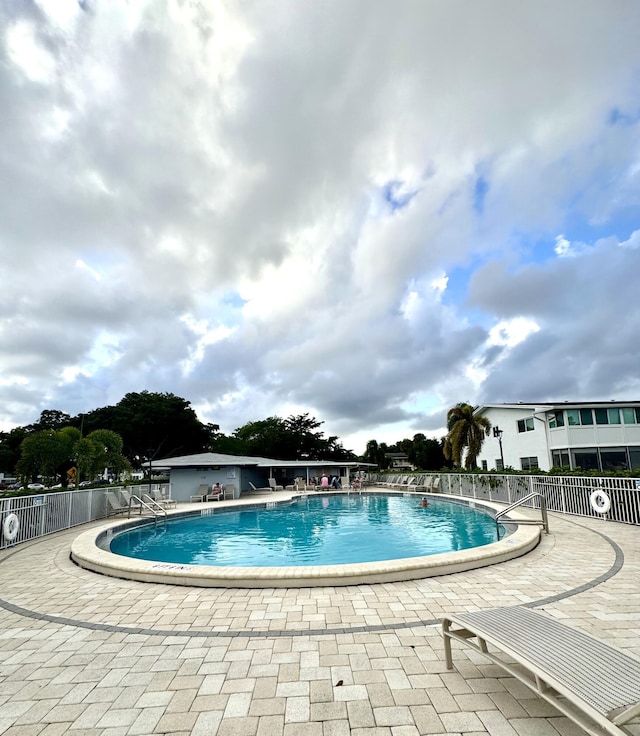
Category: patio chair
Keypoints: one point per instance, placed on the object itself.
(131, 501)
(163, 501)
(260, 490)
(203, 489)
(114, 505)
(214, 495)
(273, 486)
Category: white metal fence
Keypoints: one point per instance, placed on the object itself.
(566, 494)
(26, 517)
(46, 513)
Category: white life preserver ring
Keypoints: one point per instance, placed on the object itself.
(10, 527)
(600, 502)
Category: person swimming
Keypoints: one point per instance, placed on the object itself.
(424, 503)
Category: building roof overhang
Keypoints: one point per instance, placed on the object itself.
(204, 459)
(553, 406)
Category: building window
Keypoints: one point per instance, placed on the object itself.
(529, 463)
(614, 458)
(634, 458)
(525, 425)
(586, 459)
(586, 416)
(499, 464)
(560, 459)
(556, 419)
(484, 465)
(573, 417)
(576, 417)
(607, 416)
(629, 416)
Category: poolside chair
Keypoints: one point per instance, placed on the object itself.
(203, 489)
(212, 495)
(132, 501)
(273, 486)
(259, 490)
(114, 506)
(163, 501)
(589, 681)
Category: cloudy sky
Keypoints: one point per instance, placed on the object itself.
(363, 209)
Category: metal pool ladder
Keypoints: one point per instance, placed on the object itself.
(150, 505)
(544, 519)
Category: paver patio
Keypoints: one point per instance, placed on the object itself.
(87, 655)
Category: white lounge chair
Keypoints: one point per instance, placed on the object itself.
(114, 506)
(203, 489)
(214, 495)
(163, 501)
(594, 684)
(273, 486)
(259, 490)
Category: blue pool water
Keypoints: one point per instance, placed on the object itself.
(313, 530)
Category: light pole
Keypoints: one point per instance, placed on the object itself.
(150, 456)
(497, 432)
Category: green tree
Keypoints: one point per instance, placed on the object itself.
(104, 450)
(10, 443)
(466, 433)
(42, 453)
(50, 453)
(294, 438)
(426, 454)
(153, 425)
(52, 419)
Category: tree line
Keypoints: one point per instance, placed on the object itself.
(148, 426)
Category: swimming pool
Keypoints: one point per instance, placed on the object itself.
(91, 550)
(313, 530)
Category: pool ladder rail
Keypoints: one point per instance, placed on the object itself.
(544, 518)
(148, 504)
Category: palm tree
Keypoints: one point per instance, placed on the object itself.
(465, 432)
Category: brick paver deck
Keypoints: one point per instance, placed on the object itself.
(86, 655)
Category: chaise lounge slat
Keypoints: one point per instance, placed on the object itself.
(579, 674)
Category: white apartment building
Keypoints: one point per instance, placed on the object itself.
(595, 435)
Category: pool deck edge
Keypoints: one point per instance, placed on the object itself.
(86, 553)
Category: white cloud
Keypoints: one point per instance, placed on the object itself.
(275, 207)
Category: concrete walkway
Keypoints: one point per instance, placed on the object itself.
(83, 654)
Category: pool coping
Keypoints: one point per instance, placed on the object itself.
(86, 552)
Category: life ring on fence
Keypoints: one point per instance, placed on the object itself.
(600, 502)
(10, 527)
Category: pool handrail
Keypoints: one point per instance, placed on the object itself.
(543, 512)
